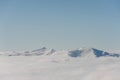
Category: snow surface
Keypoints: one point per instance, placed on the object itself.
(43, 64)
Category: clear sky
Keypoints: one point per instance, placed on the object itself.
(59, 24)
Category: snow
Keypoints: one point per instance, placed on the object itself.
(79, 64)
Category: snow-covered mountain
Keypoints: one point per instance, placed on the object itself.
(82, 52)
(91, 52)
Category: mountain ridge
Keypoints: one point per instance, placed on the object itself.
(82, 52)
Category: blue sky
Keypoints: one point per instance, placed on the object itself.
(59, 24)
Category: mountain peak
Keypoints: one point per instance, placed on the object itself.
(41, 49)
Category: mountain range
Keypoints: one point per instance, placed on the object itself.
(82, 52)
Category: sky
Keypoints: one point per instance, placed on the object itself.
(59, 24)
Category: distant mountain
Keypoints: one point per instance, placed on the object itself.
(38, 52)
(91, 52)
(83, 52)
